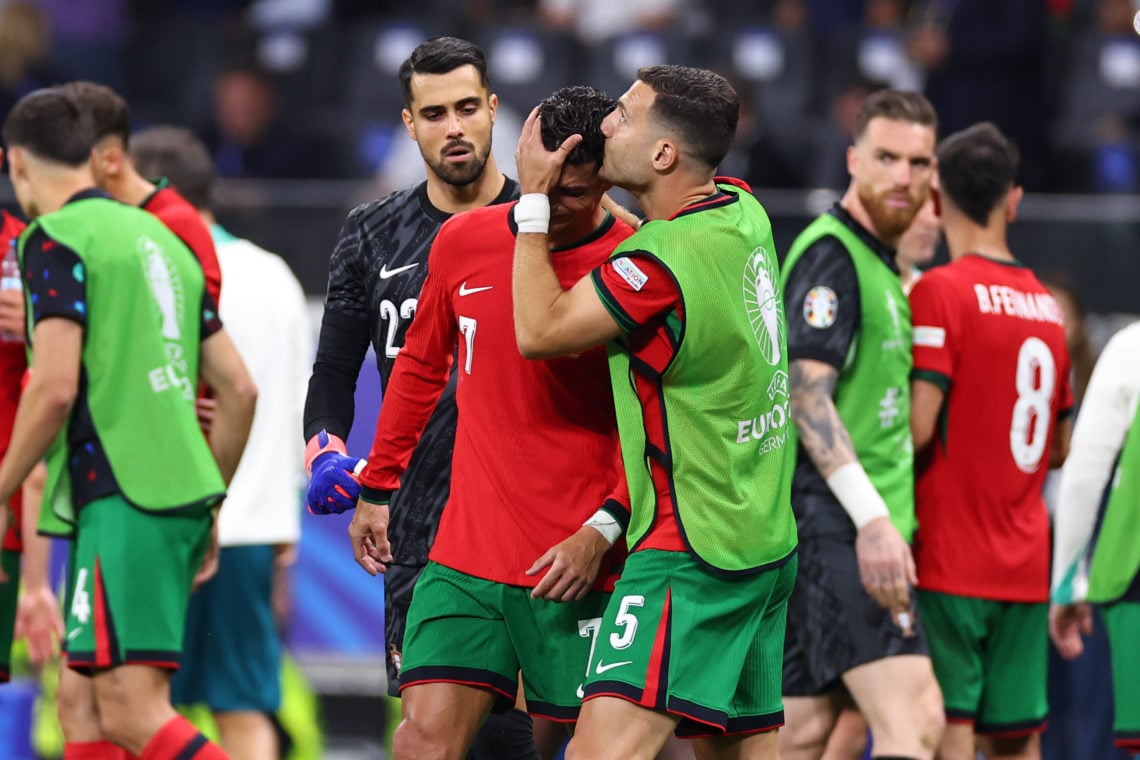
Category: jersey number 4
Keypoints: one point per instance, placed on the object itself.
(1036, 379)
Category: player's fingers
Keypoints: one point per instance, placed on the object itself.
(543, 587)
(570, 143)
(911, 569)
(531, 125)
(544, 561)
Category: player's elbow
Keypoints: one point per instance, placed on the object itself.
(1059, 452)
(532, 344)
(922, 435)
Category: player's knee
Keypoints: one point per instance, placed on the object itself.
(415, 741)
(117, 724)
(78, 715)
(930, 717)
(806, 735)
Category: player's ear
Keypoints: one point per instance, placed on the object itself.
(409, 123)
(1012, 201)
(493, 105)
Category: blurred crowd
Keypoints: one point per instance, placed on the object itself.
(306, 88)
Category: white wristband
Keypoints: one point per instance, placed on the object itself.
(857, 494)
(603, 522)
(532, 213)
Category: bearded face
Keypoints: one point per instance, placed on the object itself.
(892, 164)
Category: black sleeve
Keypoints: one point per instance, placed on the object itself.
(55, 279)
(343, 342)
(211, 322)
(822, 303)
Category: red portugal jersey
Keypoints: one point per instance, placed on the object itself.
(536, 446)
(990, 334)
(184, 221)
(13, 365)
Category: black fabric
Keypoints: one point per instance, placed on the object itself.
(833, 624)
(399, 581)
(825, 264)
(505, 736)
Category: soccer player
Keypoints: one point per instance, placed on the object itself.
(990, 401)
(851, 622)
(1101, 473)
(689, 310)
(536, 453)
(120, 326)
(917, 245)
(232, 659)
(375, 274)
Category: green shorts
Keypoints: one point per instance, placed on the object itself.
(1122, 621)
(468, 630)
(991, 660)
(9, 593)
(708, 649)
(130, 584)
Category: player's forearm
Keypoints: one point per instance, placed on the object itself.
(37, 548)
(341, 348)
(232, 423)
(536, 291)
(821, 431)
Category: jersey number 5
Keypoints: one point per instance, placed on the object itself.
(1036, 378)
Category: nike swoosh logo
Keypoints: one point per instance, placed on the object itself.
(72, 634)
(603, 668)
(466, 291)
(385, 272)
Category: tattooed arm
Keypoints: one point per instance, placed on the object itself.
(885, 562)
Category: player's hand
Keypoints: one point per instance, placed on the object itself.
(369, 533)
(209, 566)
(39, 621)
(12, 312)
(206, 407)
(573, 564)
(333, 487)
(886, 565)
(1066, 624)
(539, 169)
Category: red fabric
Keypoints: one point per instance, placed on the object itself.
(983, 530)
(13, 365)
(648, 306)
(172, 741)
(94, 751)
(184, 221)
(103, 654)
(536, 443)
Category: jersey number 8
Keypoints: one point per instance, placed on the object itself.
(1036, 378)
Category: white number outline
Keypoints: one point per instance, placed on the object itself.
(1029, 425)
(389, 312)
(626, 620)
(468, 326)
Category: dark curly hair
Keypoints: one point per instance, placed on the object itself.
(577, 110)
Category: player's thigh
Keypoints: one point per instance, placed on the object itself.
(1014, 701)
(897, 695)
(751, 747)
(553, 642)
(1122, 621)
(443, 713)
(399, 585)
(456, 634)
(132, 576)
(232, 653)
(9, 594)
(615, 729)
(957, 632)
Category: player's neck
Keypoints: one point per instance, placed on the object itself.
(968, 238)
(452, 199)
(667, 196)
(130, 187)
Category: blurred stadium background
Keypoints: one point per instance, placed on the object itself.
(299, 102)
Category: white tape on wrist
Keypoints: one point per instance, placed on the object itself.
(532, 213)
(857, 494)
(603, 522)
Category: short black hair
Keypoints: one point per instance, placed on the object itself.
(977, 167)
(440, 55)
(577, 110)
(51, 125)
(109, 113)
(896, 105)
(699, 104)
(175, 153)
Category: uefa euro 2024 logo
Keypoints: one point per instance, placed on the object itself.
(763, 304)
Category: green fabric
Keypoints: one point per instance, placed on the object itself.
(9, 594)
(140, 354)
(872, 395)
(990, 658)
(1122, 623)
(678, 638)
(468, 629)
(725, 394)
(1116, 558)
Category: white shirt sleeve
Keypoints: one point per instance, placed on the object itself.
(1105, 415)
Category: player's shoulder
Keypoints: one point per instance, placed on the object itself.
(397, 202)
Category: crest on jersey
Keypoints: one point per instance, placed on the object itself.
(630, 272)
(763, 304)
(165, 286)
(821, 307)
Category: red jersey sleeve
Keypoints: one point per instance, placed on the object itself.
(419, 376)
(936, 337)
(636, 289)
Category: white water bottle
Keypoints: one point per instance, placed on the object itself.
(10, 280)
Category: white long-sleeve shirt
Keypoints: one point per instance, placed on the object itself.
(1105, 416)
(264, 311)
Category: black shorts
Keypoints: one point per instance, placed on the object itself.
(399, 581)
(833, 624)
